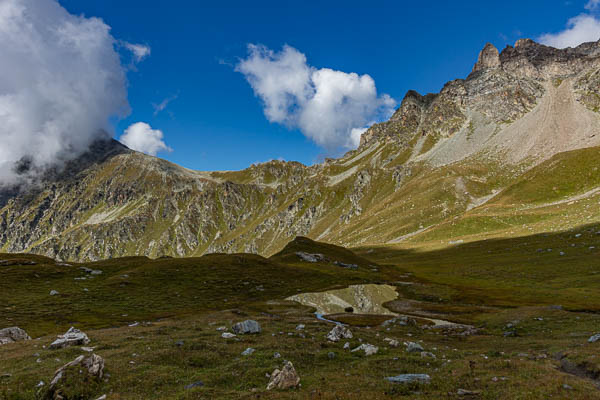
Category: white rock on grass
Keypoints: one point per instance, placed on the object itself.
(248, 351)
(413, 347)
(285, 378)
(73, 337)
(227, 335)
(369, 349)
(594, 339)
(339, 332)
(13, 334)
(94, 364)
(246, 327)
(409, 378)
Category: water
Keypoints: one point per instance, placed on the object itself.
(364, 299)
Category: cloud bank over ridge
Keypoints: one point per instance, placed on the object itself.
(61, 81)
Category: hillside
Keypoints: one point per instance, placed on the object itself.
(462, 164)
(159, 324)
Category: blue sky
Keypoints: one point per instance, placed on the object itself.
(215, 121)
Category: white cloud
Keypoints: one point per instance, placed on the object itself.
(580, 29)
(592, 5)
(330, 107)
(60, 82)
(139, 51)
(141, 137)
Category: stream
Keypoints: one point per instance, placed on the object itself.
(363, 299)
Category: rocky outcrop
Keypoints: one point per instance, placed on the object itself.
(489, 58)
(339, 332)
(73, 337)
(13, 334)
(286, 378)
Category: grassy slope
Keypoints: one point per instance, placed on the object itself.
(488, 283)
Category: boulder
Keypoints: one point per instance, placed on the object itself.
(246, 327)
(409, 378)
(88, 369)
(94, 365)
(413, 347)
(73, 337)
(13, 334)
(285, 378)
(339, 332)
(369, 349)
(312, 258)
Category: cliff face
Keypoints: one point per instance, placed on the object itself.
(440, 158)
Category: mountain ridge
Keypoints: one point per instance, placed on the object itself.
(438, 158)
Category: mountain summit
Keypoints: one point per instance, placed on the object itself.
(511, 148)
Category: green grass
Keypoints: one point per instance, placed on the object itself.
(488, 284)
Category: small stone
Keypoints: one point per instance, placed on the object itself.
(246, 327)
(392, 342)
(179, 343)
(409, 378)
(300, 327)
(103, 397)
(285, 378)
(248, 351)
(331, 355)
(194, 385)
(227, 335)
(276, 355)
(594, 339)
(346, 345)
(567, 387)
(412, 347)
(53, 292)
(426, 354)
(465, 392)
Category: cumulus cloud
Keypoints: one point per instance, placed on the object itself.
(580, 29)
(61, 80)
(330, 107)
(141, 137)
(139, 51)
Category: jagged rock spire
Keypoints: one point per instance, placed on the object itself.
(489, 57)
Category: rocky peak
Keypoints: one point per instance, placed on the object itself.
(530, 59)
(489, 57)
